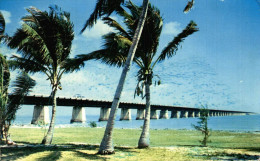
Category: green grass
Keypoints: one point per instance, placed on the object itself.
(82, 144)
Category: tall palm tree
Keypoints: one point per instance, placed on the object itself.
(22, 86)
(44, 41)
(114, 53)
(106, 7)
(4, 79)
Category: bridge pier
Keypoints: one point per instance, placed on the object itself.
(164, 114)
(78, 114)
(191, 114)
(197, 114)
(184, 114)
(153, 114)
(125, 114)
(174, 114)
(40, 115)
(140, 114)
(104, 114)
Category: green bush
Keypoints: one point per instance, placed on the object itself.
(92, 124)
(202, 125)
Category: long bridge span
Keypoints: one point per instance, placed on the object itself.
(41, 110)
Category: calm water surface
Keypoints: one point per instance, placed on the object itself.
(230, 123)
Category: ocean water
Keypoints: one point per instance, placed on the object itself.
(230, 123)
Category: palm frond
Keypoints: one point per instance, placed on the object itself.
(2, 24)
(103, 7)
(22, 86)
(27, 65)
(74, 64)
(44, 40)
(112, 23)
(107, 56)
(30, 41)
(171, 49)
(188, 6)
(134, 9)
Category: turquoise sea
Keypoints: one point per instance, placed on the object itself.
(244, 123)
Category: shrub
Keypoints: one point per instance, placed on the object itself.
(92, 124)
(203, 125)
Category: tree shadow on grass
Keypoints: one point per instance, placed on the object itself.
(54, 155)
(89, 156)
(26, 143)
(14, 153)
(252, 149)
(226, 156)
(229, 156)
(128, 151)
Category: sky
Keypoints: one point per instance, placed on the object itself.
(217, 66)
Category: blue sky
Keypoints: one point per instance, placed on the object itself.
(218, 66)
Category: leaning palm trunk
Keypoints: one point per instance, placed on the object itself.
(47, 140)
(144, 138)
(106, 146)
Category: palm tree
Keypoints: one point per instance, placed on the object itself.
(4, 79)
(44, 41)
(106, 7)
(114, 53)
(22, 86)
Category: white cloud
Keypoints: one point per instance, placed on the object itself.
(7, 16)
(222, 0)
(172, 28)
(98, 30)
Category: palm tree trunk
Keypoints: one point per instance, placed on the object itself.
(47, 140)
(1, 131)
(106, 146)
(144, 138)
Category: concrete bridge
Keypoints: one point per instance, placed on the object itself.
(41, 110)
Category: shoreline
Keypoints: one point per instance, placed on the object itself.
(71, 126)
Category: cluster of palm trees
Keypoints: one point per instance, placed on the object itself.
(44, 43)
(22, 86)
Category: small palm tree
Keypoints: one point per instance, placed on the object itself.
(22, 86)
(114, 53)
(202, 125)
(44, 41)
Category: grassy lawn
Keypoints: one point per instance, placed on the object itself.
(82, 144)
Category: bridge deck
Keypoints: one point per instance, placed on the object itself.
(82, 102)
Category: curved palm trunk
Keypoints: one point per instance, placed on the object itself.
(144, 138)
(106, 146)
(47, 140)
